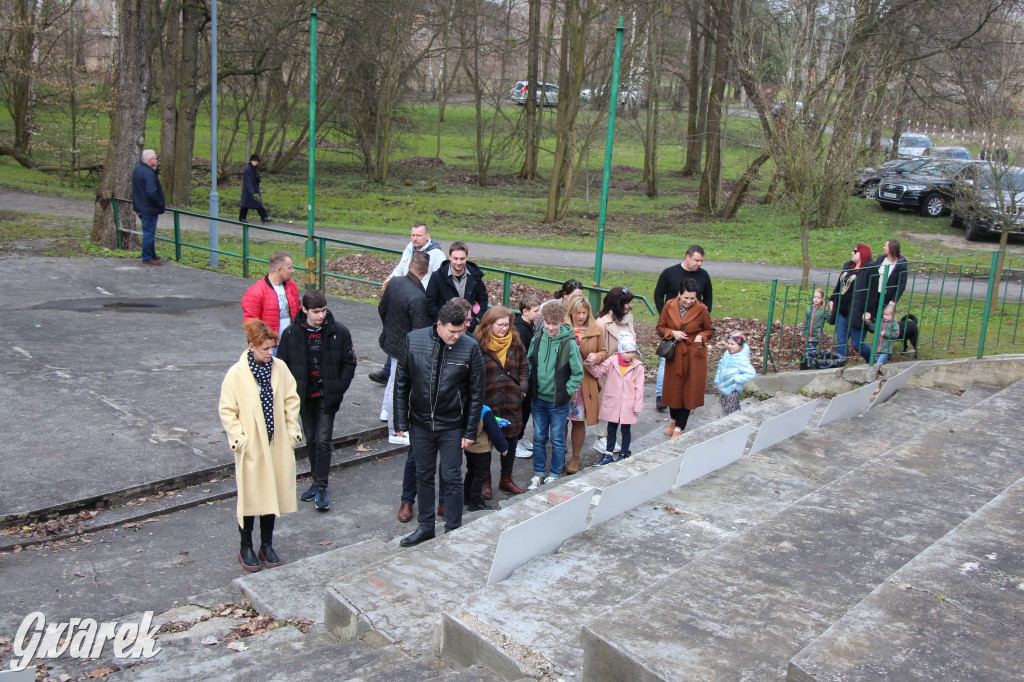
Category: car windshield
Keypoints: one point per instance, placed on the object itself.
(914, 141)
(1007, 180)
(936, 169)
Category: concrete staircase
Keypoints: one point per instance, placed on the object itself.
(728, 577)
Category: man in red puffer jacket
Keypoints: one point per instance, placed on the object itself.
(275, 298)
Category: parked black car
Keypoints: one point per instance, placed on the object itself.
(866, 182)
(990, 202)
(928, 190)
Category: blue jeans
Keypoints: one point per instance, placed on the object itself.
(847, 335)
(148, 237)
(661, 377)
(547, 417)
(427, 447)
(881, 358)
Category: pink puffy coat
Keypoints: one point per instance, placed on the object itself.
(623, 395)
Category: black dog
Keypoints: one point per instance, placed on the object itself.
(908, 332)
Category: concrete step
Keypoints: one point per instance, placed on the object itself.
(954, 612)
(742, 611)
(400, 599)
(296, 590)
(530, 622)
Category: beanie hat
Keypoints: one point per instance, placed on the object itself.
(627, 343)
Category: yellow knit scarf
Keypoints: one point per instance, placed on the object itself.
(500, 345)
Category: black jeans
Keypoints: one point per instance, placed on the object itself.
(427, 446)
(244, 212)
(510, 457)
(478, 466)
(680, 416)
(318, 428)
(627, 437)
(409, 482)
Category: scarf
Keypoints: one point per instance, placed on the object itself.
(262, 375)
(500, 345)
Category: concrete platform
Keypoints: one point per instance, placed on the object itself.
(955, 612)
(113, 373)
(743, 611)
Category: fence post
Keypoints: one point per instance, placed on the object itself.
(506, 289)
(988, 303)
(177, 236)
(322, 266)
(245, 250)
(768, 332)
(117, 223)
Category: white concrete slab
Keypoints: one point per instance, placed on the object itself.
(848, 405)
(542, 534)
(892, 385)
(785, 425)
(712, 454)
(636, 490)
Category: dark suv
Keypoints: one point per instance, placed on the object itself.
(928, 190)
(990, 202)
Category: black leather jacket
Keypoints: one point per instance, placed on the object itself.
(338, 363)
(402, 309)
(439, 387)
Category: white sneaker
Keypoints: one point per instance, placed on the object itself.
(524, 450)
(551, 479)
(601, 443)
(383, 415)
(398, 440)
(535, 483)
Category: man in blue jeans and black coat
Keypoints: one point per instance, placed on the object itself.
(439, 393)
(148, 203)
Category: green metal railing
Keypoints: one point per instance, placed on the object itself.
(321, 272)
(950, 297)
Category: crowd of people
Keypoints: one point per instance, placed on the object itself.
(462, 380)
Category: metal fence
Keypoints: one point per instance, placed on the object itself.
(951, 298)
(320, 272)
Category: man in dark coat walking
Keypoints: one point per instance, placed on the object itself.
(148, 203)
(458, 277)
(439, 395)
(251, 197)
(319, 353)
(402, 309)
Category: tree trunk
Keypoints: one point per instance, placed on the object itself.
(693, 111)
(735, 200)
(192, 19)
(531, 135)
(127, 122)
(711, 179)
(165, 71)
(21, 71)
(655, 51)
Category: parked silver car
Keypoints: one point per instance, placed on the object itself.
(547, 93)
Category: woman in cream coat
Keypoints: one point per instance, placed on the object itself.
(260, 412)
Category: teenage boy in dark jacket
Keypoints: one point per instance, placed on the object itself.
(439, 394)
(319, 353)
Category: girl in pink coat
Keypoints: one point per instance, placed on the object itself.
(623, 395)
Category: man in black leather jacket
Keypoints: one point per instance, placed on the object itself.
(439, 393)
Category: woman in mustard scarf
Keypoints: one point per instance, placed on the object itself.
(507, 380)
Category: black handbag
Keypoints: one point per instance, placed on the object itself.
(666, 349)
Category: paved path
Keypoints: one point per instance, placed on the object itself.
(483, 252)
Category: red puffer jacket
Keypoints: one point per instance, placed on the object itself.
(260, 302)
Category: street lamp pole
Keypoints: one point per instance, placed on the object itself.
(310, 244)
(214, 199)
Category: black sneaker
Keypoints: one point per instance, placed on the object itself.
(309, 494)
(380, 376)
(321, 501)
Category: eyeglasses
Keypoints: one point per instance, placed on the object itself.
(501, 325)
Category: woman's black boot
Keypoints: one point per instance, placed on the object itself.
(267, 554)
(246, 555)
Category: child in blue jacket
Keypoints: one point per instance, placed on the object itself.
(734, 370)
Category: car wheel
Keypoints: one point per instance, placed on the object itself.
(870, 190)
(888, 207)
(933, 205)
(974, 232)
(955, 220)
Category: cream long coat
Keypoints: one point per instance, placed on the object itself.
(264, 471)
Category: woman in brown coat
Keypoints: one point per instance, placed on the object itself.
(507, 380)
(584, 408)
(686, 320)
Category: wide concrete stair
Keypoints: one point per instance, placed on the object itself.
(892, 483)
(560, 614)
(955, 612)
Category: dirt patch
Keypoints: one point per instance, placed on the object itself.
(421, 162)
(492, 180)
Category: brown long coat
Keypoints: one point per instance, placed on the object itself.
(503, 393)
(687, 372)
(592, 341)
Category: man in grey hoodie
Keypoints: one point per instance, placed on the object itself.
(556, 370)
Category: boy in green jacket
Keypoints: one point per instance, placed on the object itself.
(556, 370)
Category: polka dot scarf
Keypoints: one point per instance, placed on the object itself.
(262, 375)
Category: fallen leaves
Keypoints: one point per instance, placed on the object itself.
(99, 672)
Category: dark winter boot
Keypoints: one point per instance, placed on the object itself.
(246, 556)
(486, 492)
